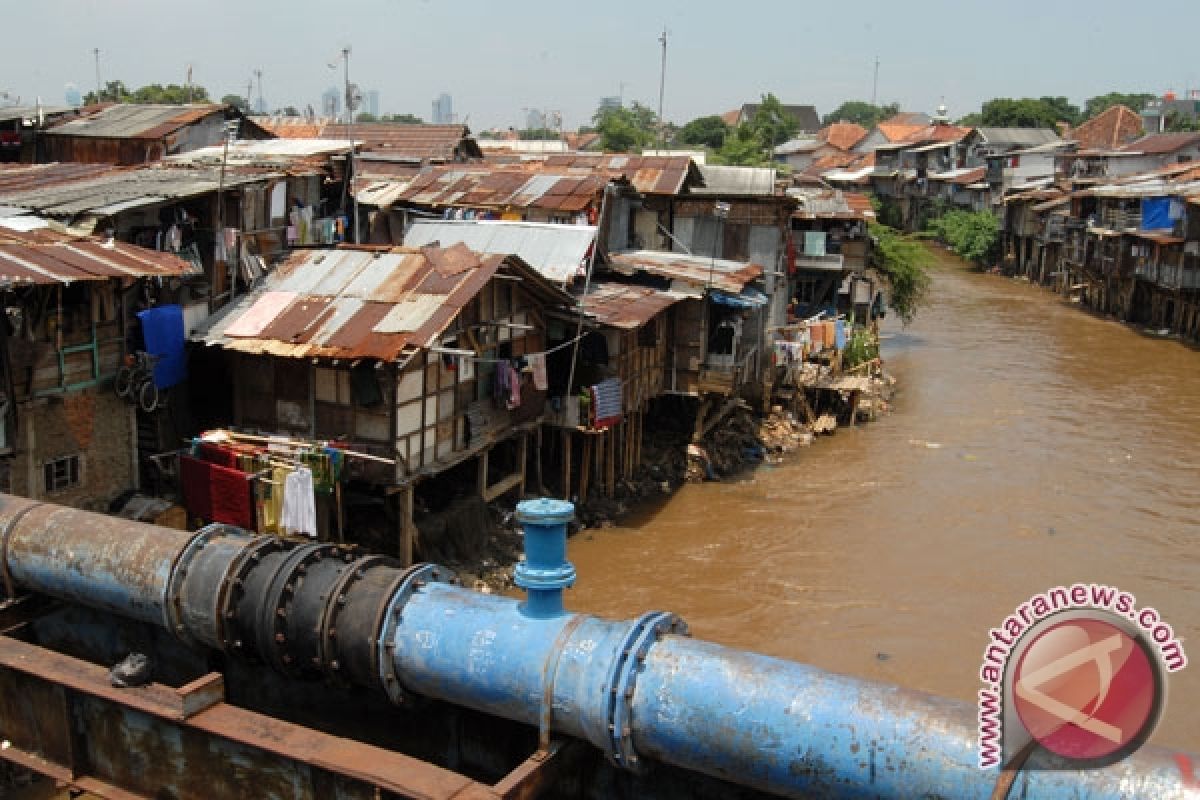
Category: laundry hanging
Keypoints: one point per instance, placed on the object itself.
(299, 514)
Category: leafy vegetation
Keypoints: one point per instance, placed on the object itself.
(863, 346)
(904, 262)
(399, 119)
(625, 130)
(972, 235)
(707, 131)
(172, 94)
(752, 143)
(1027, 112)
(1135, 102)
(863, 113)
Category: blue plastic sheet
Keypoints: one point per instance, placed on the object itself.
(1156, 213)
(162, 329)
(749, 298)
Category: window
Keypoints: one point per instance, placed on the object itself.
(63, 473)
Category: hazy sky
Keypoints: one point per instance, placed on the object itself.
(496, 58)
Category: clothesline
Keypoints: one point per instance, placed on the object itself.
(484, 360)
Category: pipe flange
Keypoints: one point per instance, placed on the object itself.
(10, 589)
(622, 679)
(384, 645)
(179, 571)
(234, 586)
(272, 621)
(327, 643)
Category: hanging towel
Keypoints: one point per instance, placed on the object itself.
(299, 504)
(216, 493)
(538, 362)
(217, 454)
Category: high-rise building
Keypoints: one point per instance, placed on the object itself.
(443, 109)
(73, 96)
(373, 103)
(610, 103)
(331, 102)
(535, 120)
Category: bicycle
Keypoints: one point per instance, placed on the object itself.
(135, 380)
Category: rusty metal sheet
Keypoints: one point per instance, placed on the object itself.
(357, 330)
(399, 282)
(66, 261)
(303, 314)
(625, 306)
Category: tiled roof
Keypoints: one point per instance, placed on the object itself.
(1162, 143)
(1110, 129)
(842, 135)
(898, 132)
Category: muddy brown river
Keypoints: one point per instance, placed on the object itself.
(1030, 445)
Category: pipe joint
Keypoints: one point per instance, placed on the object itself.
(545, 572)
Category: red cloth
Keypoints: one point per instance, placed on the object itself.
(216, 493)
(218, 454)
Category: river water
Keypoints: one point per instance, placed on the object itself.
(1030, 445)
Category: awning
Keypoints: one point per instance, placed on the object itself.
(748, 298)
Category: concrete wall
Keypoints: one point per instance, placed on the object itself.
(94, 424)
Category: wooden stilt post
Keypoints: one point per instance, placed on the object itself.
(482, 474)
(611, 473)
(585, 468)
(407, 528)
(522, 456)
(566, 457)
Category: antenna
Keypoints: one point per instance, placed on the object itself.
(262, 105)
(96, 53)
(875, 83)
(662, 83)
(189, 83)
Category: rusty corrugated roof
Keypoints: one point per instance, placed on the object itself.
(693, 271)
(648, 174)
(23, 177)
(362, 303)
(491, 186)
(623, 305)
(424, 142)
(135, 121)
(43, 257)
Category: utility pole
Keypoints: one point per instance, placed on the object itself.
(662, 85)
(349, 99)
(189, 83)
(249, 92)
(96, 53)
(262, 106)
(875, 82)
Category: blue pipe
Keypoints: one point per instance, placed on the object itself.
(640, 690)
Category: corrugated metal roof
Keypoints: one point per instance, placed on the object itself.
(422, 142)
(498, 187)
(623, 305)
(1014, 138)
(736, 181)
(22, 177)
(556, 251)
(831, 204)
(28, 258)
(357, 303)
(648, 174)
(134, 121)
(692, 271)
(122, 189)
(264, 153)
(1162, 143)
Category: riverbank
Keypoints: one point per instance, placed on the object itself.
(738, 442)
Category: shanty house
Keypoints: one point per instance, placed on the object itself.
(424, 358)
(128, 134)
(69, 306)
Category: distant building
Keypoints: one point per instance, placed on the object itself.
(443, 109)
(73, 96)
(1158, 113)
(535, 120)
(610, 103)
(373, 103)
(331, 101)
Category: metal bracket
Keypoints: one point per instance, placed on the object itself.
(622, 678)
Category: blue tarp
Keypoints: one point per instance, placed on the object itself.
(1156, 213)
(162, 330)
(749, 298)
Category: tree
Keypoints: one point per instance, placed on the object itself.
(235, 100)
(1180, 123)
(1063, 109)
(290, 111)
(752, 143)
(365, 116)
(171, 94)
(972, 235)
(861, 113)
(402, 119)
(113, 92)
(742, 148)
(624, 130)
(972, 120)
(538, 134)
(1005, 112)
(1134, 101)
(904, 263)
(704, 131)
